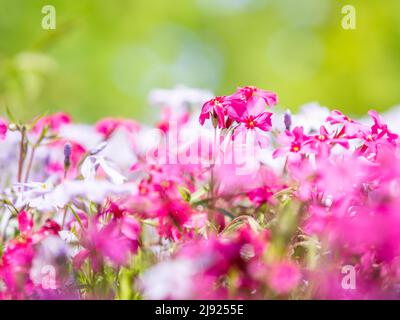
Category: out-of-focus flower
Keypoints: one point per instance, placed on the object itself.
(3, 129)
(179, 99)
(284, 277)
(108, 126)
(54, 122)
(169, 280)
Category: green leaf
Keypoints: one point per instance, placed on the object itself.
(226, 213)
(76, 217)
(10, 115)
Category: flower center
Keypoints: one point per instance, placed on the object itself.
(250, 123)
(217, 102)
(295, 147)
(143, 190)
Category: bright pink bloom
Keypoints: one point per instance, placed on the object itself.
(25, 222)
(251, 96)
(350, 127)
(378, 135)
(218, 108)
(3, 129)
(324, 140)
(54, 122)
(293, 142)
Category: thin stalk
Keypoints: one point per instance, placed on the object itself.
(21, 155)
(28, 170)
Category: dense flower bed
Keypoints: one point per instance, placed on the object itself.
(227, 199)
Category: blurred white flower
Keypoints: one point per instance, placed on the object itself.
(169, 279)
(86, 135)
(179, 98)
(311, 116)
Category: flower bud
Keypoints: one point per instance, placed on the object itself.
(287, 120)
(67, 155)
(12, 127)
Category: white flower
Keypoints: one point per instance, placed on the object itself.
(92, 190)
(311, 117)
(169, 279)
(91, 164)
(32, 193)
(179, 98)
(85, 135)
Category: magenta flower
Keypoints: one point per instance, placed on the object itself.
(25, 223)
(54, 122)
(107, 241)
(379, 134)
(292, 142)
(217, 108)
(350, 127)
(3, 129)
(324, 141)
(251, 96)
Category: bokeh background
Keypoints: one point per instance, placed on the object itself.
(105, 56)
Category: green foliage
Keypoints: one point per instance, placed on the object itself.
(105, 56)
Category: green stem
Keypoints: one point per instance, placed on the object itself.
(21, 155)
(28, 170)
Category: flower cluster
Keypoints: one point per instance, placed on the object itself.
(223, 198)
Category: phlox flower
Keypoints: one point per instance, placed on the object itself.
(379, 134)
(114, 241)
(54, 122)
(323, 141)
(348, 126)
(19, 253)
(267, 185)
(217, 108)
(92, 163)
(3, 129)
(251, 95)
(107, 126)
(293, 142)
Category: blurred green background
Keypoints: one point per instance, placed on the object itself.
(105, 56)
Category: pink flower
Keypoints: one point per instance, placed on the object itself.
(246, 106)
(102, 242)
(107, 126)
(350, 127)
(114, 241)
(251, 96)
(3, 129)
(217, 108)
(14, 269)
(324, 141)
(25, 222)
(293, 142)
(54, 122)
(379, 134)
(284, 277)
(267, 184)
